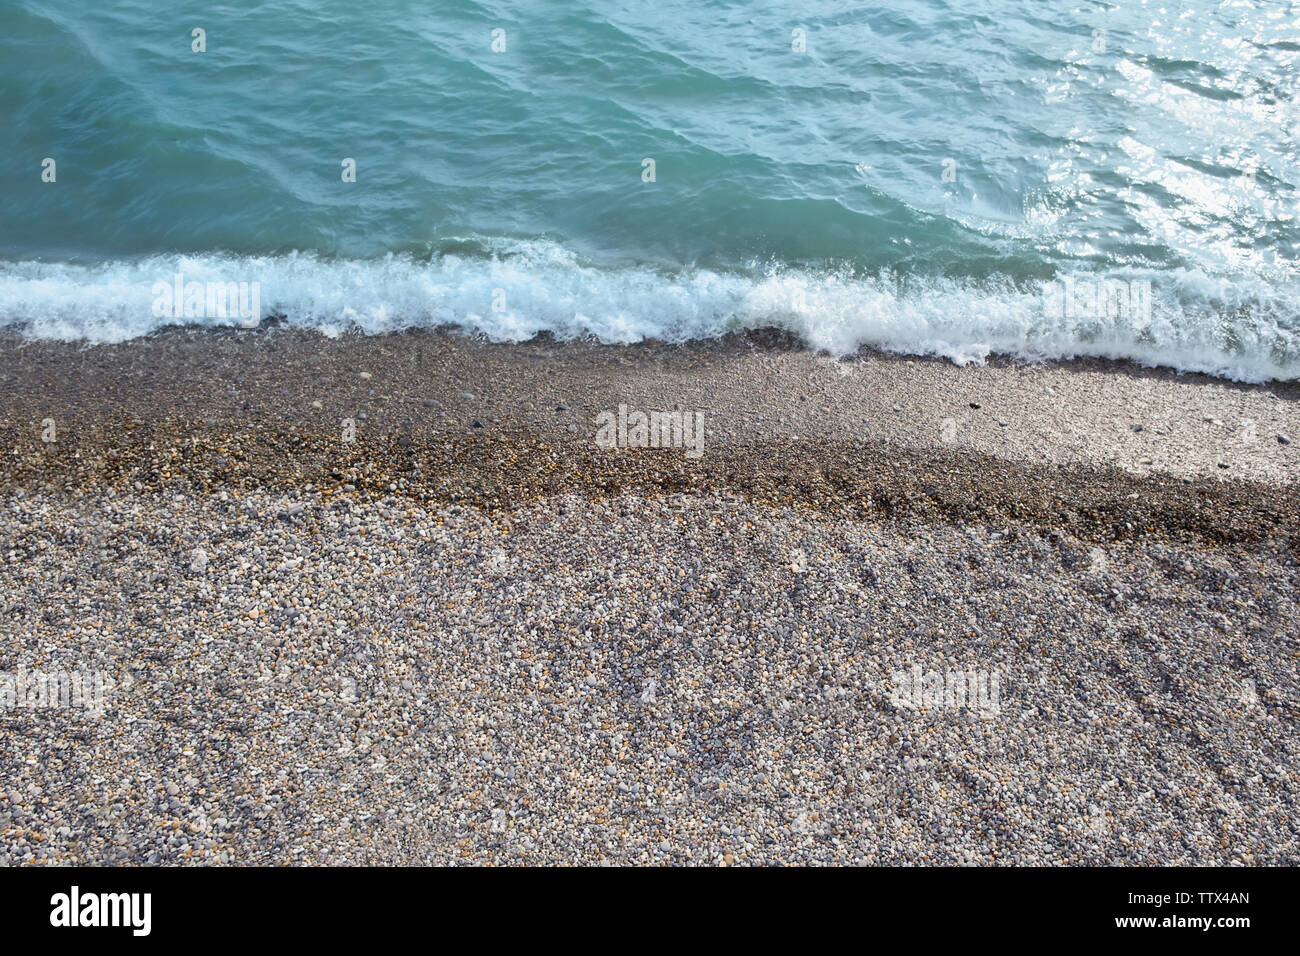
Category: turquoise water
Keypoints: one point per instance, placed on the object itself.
(918, 176)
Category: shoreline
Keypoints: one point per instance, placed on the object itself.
(1101, 452)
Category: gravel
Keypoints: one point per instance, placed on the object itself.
(457, 631)
(362, 678)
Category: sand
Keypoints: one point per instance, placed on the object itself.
(472, 635)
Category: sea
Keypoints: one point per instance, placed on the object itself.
(1039, 179)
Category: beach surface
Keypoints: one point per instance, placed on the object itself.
(384, 599)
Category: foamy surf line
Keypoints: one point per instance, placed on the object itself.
(1245, 330)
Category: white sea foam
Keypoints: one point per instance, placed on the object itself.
(1242, 329)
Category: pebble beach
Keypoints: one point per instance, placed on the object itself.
(468, 634)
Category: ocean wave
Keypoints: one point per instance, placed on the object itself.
(1245, 329)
